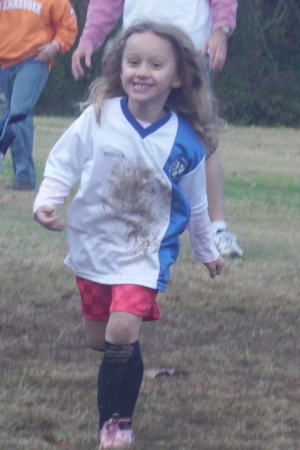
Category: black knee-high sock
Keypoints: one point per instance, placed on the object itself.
(119, 380)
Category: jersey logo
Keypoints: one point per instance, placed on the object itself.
(177, 168)
(113, 152)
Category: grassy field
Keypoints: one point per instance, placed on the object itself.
(236, 337)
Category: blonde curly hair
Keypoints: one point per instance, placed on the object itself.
(193, 100)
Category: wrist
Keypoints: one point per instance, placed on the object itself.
(225, 29)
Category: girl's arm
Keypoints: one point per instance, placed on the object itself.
(51, 194)
(63, 169)
(202, 243)
(201, 240)
(193, 184)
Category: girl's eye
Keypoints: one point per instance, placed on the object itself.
(156, 65)
(133, 62)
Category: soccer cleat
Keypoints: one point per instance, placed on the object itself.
(227, 245)
(113, 437)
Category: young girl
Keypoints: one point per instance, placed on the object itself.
(138, 152)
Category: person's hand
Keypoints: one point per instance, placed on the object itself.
(46, 52)
(81, 53)
(216, 48)
(45, 216)
(215, 267)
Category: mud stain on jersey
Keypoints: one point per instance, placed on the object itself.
(139, 199)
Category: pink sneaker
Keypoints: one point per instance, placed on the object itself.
(112, 437)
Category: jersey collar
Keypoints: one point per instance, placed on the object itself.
(143, 132)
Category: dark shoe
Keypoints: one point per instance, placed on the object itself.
(20, 186)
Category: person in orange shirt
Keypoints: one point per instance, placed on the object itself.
(32, 33)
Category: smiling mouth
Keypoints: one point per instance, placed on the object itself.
(142, 85)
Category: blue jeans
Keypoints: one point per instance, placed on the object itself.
(22, 85)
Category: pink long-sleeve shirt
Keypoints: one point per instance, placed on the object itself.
(103, 15)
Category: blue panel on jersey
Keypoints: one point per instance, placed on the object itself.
(186, 154)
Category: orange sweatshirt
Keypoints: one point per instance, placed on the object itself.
(27, 24)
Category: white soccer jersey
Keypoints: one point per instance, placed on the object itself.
(137, 189)
(194, 17)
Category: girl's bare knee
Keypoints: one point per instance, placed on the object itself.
(123, 328)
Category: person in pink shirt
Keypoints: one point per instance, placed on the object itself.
(209, 23)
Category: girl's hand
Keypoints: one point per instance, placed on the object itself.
(215, 267)
(45, 216)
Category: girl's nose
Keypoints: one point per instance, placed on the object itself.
(142, 70)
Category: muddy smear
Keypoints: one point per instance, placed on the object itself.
(139, 198)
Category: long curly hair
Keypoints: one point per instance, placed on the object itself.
(193, 100)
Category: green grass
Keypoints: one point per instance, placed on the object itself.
(268, 190)
(237, 336)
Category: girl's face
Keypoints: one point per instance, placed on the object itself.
(149, 73)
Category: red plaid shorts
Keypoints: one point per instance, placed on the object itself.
(99, 300)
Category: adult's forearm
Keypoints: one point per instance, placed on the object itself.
(224, 13)
(64, 22)
(102, 16)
